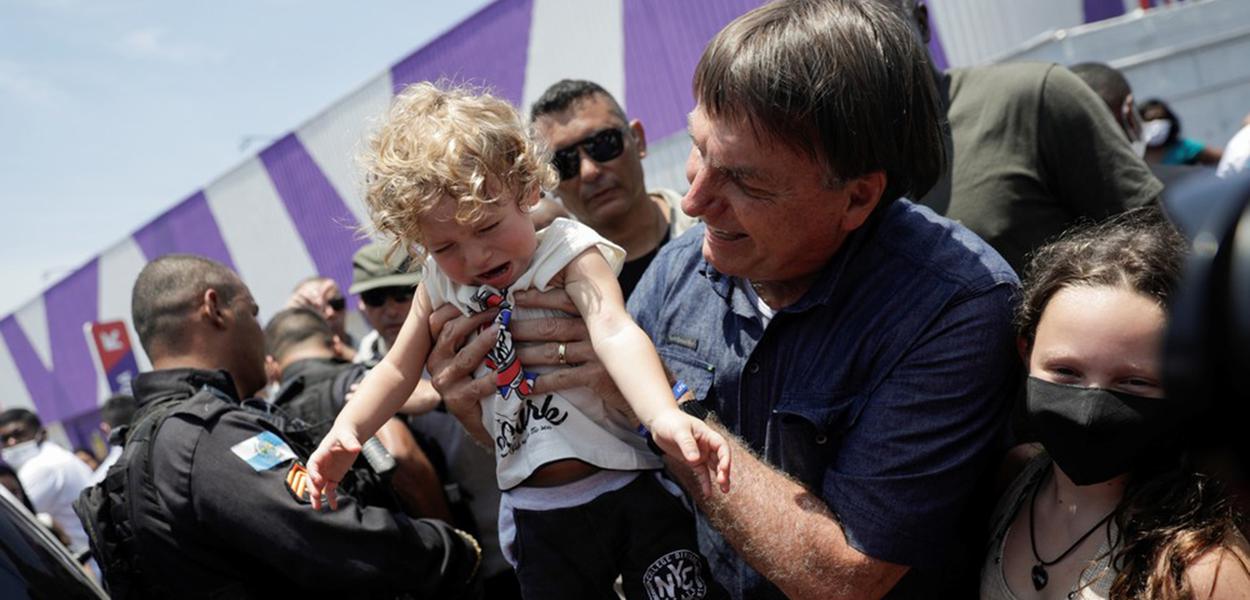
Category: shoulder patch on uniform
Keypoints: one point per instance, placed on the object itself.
(263, 451)
(297, 483)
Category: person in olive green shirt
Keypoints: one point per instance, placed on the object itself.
(1034, 152)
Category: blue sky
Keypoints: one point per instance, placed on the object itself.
(112, 111)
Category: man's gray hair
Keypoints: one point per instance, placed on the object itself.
(846, 82)
(166, 292)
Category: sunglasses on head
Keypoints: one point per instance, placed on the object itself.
(376, 297)
(600, 147)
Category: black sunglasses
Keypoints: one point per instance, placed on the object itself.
(376, 297)
(601, 147)
(338, 303)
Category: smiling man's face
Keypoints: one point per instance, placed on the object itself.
(771, 215)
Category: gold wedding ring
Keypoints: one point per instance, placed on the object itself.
(560, 354)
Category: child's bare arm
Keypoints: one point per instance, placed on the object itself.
(381, 393)
(631, 360)
(621, 345)
(388, 385)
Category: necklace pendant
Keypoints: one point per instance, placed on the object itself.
(1039, 577)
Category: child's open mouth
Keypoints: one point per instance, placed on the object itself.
(493, 276)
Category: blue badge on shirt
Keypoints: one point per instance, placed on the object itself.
(263, 451)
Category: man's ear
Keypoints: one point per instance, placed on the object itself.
(863, 196)
(921, 15)
(340, 349)
(640, 137)
(212, 310)
(273, 371)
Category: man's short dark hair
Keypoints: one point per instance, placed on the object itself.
(564, 93)
(846, 82)
(23, 416)
(118, 410)
(295, 326)
(166, 292)
(1107, 82)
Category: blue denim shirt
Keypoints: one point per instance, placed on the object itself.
(885, 389)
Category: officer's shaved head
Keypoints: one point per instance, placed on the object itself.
(169, 290)
(292, 328)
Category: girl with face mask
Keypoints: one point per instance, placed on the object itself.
(1113, 507)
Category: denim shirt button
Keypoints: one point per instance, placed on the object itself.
(753, 368)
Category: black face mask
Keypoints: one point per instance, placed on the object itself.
(1095, 434)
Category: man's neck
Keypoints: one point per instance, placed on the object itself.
(313, 350)
(642, 229)
(191, 361)
(780, 294)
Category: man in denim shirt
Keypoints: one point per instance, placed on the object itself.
(858, 348)
(860, 344)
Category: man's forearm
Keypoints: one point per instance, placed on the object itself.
(787, 533)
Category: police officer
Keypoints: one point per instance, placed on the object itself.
(212, 500)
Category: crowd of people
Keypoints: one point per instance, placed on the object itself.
(901, 338)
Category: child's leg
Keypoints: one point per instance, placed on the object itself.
(561, 553)
(565, 541)
(660, 558)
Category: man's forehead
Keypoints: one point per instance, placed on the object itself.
(590, 112)
(732, 145)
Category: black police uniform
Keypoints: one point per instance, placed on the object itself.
(215, 525)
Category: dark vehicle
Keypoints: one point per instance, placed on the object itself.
(33, 564)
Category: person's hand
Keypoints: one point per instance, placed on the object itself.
(546, 336)
(457, 352)
(707, 453)
(314, 294)
(328, 465)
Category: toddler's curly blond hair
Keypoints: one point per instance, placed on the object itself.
(448, 142)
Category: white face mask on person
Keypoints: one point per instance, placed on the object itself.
(20, 454)
(1155, 132)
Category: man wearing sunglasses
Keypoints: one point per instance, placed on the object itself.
(321, 294)
(598, 153)
(385, 296)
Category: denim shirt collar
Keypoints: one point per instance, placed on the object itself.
(822, 290)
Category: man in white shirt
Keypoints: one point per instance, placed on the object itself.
(53, 477)
(1236, 153)
(115, 415)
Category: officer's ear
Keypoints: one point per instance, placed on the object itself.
(212, 310)
(340, 349)
(273, 371)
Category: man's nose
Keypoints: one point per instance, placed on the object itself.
(590, 169)
(701, 197)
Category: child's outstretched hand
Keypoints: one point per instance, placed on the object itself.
(328, 465)
(681, 435)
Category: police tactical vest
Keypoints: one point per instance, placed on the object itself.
(105, 510)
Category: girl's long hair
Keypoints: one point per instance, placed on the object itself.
(1172, 514)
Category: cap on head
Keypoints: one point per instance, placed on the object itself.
(372, 270)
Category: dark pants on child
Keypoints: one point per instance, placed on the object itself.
(641, 532)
